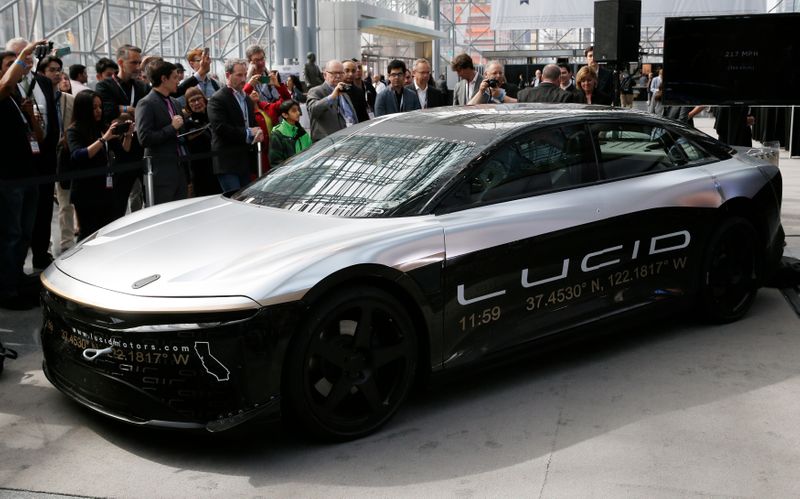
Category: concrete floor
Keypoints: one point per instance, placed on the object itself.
(673, 410)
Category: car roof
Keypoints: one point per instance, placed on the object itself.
(484, 124)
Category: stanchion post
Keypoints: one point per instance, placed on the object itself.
(148, 181)
(260, 166)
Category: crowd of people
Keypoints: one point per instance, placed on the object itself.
(198, 132)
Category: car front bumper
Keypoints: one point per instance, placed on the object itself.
(208, 370)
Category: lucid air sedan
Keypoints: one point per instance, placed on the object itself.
(412, 244)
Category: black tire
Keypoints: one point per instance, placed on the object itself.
(351, 365)
(731, 271)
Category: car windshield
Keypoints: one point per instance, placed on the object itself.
(362, 175)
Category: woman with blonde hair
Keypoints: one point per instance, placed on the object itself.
(586, 81)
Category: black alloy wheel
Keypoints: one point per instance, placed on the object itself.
(352, 364)
(731, 270)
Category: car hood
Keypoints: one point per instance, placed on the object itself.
(219, 247)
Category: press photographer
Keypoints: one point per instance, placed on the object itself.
(20, 134)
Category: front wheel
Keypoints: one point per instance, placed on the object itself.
(351, 364)
(731, 271)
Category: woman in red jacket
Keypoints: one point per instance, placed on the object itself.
(267, 107)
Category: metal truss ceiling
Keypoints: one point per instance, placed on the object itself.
(95, 28)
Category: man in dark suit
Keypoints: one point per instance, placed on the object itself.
(158, 122)
(469, 83)
(397, 98)
(121, 94)
(548, 90)
(567, 83)
(354, 91)
(329, 107)
(234, 131)
(428, 95)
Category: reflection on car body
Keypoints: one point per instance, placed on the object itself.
(416, 242)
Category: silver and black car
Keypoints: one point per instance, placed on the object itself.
(412, 244)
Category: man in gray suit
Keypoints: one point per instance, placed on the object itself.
(329, 107)
(397, 98)
(470, 81)
(158, 122)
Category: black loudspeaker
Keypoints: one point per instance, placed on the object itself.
(617, 29)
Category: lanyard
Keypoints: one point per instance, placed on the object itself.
(21, 114)
(133, 90)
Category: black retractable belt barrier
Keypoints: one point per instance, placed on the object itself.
(6, 353)
(105, 170)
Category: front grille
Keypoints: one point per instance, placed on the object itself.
(194, 376)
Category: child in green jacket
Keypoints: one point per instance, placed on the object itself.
(288, 138)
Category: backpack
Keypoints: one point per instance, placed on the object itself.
(6, 353)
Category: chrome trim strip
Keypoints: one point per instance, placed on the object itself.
(61, 284)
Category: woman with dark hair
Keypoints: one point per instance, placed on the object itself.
(88, 146)
(295, 88)
(203, 180)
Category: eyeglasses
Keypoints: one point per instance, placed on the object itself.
(335, 72)
(196, 99)
(396, 75)
(196, 60)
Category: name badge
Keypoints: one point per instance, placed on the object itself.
(109, 181)
(34, 144)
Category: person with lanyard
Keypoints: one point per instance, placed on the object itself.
(49, 96)
(234, 131)
(397, 98)
(19, 139)
(40, 87)
(121, 94)
(329, 107)
(200, 62)
(158, 123)
(92, 194)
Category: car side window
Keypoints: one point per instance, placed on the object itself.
(536, 163)
(694, 154)
(628, 149)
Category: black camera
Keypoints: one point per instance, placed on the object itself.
(493, 83)
(42, 50)
(123, 127)
(347, 87)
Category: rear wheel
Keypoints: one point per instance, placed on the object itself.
(731, 270)
(352, 364)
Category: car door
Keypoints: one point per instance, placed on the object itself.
(514, 230)
(657, 205)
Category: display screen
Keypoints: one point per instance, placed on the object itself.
(726, 60)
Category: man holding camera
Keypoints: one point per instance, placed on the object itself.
(41, 87)
(329, 107)
(121, 94)
(489, 91)
(397, 98)
(20, 134)
(158, 123)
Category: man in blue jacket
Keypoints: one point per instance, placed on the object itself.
(396, 98)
